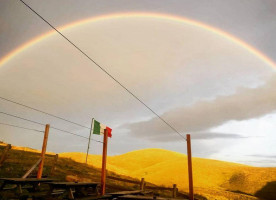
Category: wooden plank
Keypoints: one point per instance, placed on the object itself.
(69, 184)
(43, 151)
(123, 180)
(125, 192)
(139, 197)
(95, 197)
(5, 154)
(159, 188)
(25, 180)
(133, 197)
(32, 168)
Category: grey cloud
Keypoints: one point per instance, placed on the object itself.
(212, 135)
(246, 103)
(199, 136)
(263, 156)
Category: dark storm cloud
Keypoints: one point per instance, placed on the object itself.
(246, 103)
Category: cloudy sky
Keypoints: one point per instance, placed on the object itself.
(200, 82)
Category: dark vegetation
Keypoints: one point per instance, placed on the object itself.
(268, 192)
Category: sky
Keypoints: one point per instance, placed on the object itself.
(200, 82)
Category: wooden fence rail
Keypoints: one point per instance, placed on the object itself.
(123, 180)
(143, 185)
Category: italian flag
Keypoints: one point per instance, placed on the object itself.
(98, 128)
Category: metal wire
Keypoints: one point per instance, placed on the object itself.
(46, 113)
(21, 127)
(51, 127)
(104, 70)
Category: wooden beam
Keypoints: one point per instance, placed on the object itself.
(103, 179)
(5, 154)
(190, 169)
(32, 168)
(123, 180)
(43, 151)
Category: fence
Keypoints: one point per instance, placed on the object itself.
(143, 185)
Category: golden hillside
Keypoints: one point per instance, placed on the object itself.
(163, 167)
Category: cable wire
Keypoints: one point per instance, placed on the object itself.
(51, 127)
(61, 118)
(21, 127)
(104, 70)
(74, 134)
(28, 120)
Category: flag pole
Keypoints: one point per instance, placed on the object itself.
(103, 183)
(91, 130)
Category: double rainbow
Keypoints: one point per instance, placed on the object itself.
(191, 22)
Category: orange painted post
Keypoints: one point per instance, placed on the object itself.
(190, 170)
(103, 183)
(43, 151)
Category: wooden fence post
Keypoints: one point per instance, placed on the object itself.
(103, 179)
(54, 164)
(5, 154)
(174, 191)
(43, 151)
(190, 169)
(142, 184)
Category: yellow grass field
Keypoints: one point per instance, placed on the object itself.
(163, 167)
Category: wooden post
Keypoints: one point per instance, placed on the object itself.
(54, 164)
(142, 184)
(5, 154)
(190, 170)
(43, 151)
(174, 191)
(103, 183)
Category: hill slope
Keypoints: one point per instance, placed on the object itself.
(165, 167)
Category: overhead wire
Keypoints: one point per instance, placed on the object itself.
(105, 71)
(21, 127)
(52, 115)
(51, 127)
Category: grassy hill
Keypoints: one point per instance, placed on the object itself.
(213, 179)
(163, 167)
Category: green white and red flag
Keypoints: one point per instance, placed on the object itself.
(98, 128)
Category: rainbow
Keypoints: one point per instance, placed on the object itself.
(191, 22)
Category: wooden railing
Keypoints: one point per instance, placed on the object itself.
(143, 185)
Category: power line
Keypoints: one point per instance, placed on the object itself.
(46, 113)
(104, 70)
(75, 134)
(28, 120)
(39, 123)
(21, 127)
